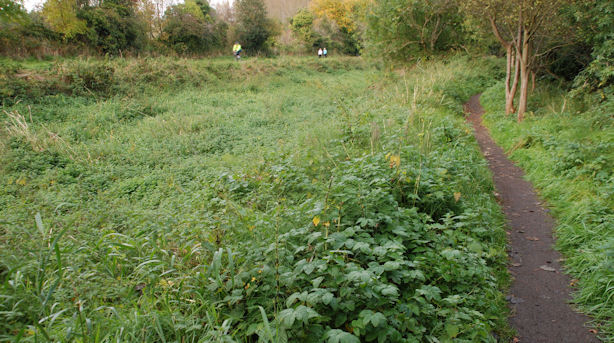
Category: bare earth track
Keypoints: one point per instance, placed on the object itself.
(539, 293)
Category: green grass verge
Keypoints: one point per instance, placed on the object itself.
(567, 151)
(300, 200)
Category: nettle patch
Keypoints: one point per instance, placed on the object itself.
(373, 264)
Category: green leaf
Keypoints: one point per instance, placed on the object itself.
(286, 317)
(390, 290)
(327, 298)
(340, 336)
(317, 281)
(304, 313)
(378, 319)
(308, 268)
(452, 330)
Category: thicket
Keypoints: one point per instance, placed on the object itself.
(356, 210)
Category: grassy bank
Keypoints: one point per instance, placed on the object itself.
(302, 201)
(566, 147)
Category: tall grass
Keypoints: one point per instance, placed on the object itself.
(299, 200)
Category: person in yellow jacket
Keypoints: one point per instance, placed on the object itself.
(236, 50)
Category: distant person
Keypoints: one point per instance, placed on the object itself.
(319, 52)
(325, 52)
(236, 50)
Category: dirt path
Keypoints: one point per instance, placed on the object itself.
(539, 293)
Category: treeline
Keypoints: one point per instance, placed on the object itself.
(128, 27)
(560, 39)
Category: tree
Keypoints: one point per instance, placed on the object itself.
(302, 27)
(342, 22)
(521, 26)
(113, 26)
(61, 15)
(253, 28)
(399, 29)
(11, 11)
(190, 28)
(594, 23)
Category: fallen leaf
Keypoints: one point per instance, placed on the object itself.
(515, 340)
(514, 300)
(531, 238)
(593, 331)
(546, 268)
(573, 282)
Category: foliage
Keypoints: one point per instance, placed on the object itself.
(595, 24)
(10, 10)
(402, 29)
(113, 28)
(61, 15)
(313, 201)
(127, 77)
(341, 22)
(189, 28)
(253, 28)
(302, 28)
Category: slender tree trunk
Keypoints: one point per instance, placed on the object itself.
(510, 89)
(512, 63)
(524, 76)
(509, 96)
(514, 87)
(532, 81)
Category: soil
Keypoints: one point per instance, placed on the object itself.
(540, 292)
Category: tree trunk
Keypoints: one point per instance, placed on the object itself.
(509, 102)
(524, 76)
(510, 92)
(513, 64)
(514, 88)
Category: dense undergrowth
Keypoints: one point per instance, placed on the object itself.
(102, 78)
(313, 201)
(566, 148)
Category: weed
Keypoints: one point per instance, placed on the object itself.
(296, 200)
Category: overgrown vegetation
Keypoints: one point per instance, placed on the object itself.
(313, 202)
(567, 149)
(32, 83)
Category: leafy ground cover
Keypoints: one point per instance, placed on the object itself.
(566, 148)
(280, 201)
